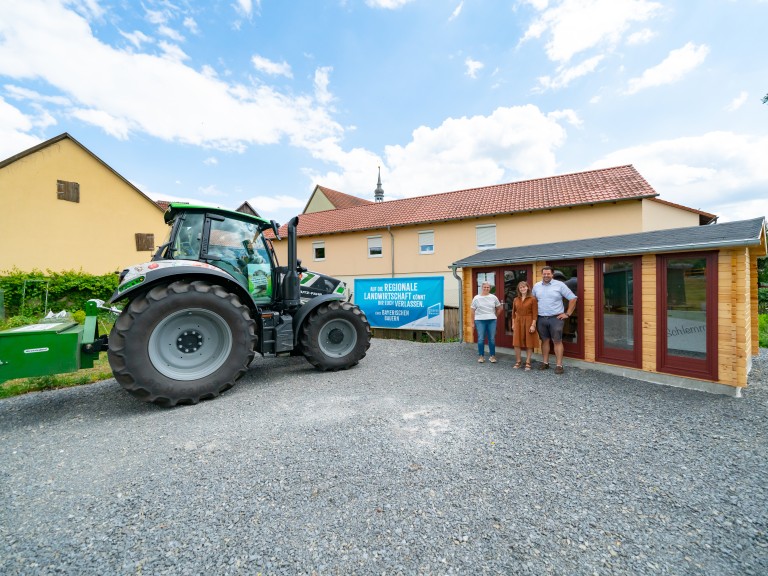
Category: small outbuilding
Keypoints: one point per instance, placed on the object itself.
(675, 307)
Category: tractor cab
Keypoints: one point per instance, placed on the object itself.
(231, 241)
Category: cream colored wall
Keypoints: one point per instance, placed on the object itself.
(318, 203)
(657, 216)
(347, 253)
(38, 231)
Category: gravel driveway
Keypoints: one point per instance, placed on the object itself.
(417, 461)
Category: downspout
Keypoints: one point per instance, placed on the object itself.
(461, 305)
(392, 236)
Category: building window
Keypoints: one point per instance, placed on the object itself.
(486, 236)
(687, 314)
(427, 242)
(318, 250)
(69, 191)
(374, 247)
(145, 242)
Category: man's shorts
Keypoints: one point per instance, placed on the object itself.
(550, 328)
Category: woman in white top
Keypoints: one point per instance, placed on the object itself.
(485, 310)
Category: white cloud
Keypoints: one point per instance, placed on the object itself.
(245, 7)
(116, 127)
(156, 94)
(322, 80)
(169, 32)
(676, 65)
(273, 68)
(567, 75)
(210, 191)
(456, 11)
(137, 38)
(574, 26)
(738, 102)
(191, 25)
(510, 143)
(718, 172)
(211, 161)
(473, 66)
(641, 37)
(387, 4)
(269, 205)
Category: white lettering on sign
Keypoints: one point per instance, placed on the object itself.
(35, 350)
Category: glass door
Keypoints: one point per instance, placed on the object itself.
(618, 300)
(687, 314)
(570, 273)
(503, 283)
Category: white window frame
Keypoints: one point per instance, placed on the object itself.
(318, 246)
(373, 243)
(429, 241)
(485, 236)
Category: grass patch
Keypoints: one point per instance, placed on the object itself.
(762, 323)
(100, 371)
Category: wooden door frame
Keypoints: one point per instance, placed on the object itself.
(633, 358)
(575, 350)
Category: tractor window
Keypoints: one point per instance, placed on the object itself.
(187, 244)
(238, 248)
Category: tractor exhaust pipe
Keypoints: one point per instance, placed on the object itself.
(291, 290)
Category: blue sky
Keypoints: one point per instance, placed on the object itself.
(226, 101)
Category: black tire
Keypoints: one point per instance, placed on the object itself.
(181, 343)
(335, 336)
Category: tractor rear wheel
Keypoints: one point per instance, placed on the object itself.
(181, 343)
(335, 336)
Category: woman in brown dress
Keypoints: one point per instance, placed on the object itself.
(525, 310)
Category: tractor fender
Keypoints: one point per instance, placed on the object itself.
(306, 308)
(143, 277)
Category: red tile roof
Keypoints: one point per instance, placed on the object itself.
(591, 187)
(341, 200)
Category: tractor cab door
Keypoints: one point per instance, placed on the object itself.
(237, 247)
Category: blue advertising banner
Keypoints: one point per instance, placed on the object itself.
(402, 302)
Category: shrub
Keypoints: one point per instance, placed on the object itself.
(762, 324)
(68, 290)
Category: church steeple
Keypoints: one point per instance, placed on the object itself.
(378, 194)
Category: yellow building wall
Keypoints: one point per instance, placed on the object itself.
(346, 254)
(96, 235)
(318, 203)
(657, 216)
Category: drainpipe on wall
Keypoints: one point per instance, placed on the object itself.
(461, 306)
(392, 236)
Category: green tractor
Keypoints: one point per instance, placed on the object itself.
(211, 297)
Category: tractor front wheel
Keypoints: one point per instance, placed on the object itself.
(335, 336)
(181, 343)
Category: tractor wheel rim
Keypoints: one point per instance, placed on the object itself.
(337, 338)
(190, 344)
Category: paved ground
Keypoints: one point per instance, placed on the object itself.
(418, 461)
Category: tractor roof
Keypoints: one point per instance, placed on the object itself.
(178, 208)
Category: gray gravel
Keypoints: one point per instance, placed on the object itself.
(418, 461)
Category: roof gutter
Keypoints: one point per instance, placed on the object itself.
(606, 253)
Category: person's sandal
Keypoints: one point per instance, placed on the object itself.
(492, 359)
(559, 370)
(517, 365)
(481, 359)
(527, 366)
(544, 366)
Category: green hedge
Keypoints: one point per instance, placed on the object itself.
(762, 300)
(68, 291)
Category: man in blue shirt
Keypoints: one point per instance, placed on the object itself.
(550, 294)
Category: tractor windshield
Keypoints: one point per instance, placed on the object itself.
(236, 246)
